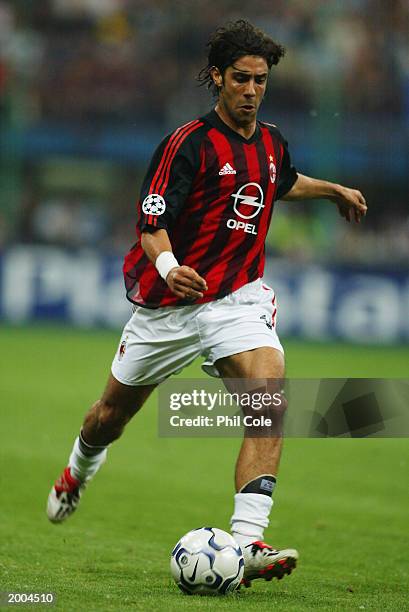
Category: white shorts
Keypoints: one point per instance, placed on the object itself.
(158, 343)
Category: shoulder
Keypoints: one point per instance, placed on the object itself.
(184, 135)
(183, 142)
(180, 149)
(274, 130)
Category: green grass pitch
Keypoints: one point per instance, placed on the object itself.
(343, 503)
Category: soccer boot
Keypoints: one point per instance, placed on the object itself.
(64, 497)
(263, 561)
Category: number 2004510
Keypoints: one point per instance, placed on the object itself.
(8, 598)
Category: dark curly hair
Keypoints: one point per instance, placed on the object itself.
(238, 38)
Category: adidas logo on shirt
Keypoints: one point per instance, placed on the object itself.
(227, 169)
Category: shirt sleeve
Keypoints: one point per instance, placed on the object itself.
(288, 174)
(167, 183)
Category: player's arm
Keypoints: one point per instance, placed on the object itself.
(163, 194)
(350, 202)
(183, 281)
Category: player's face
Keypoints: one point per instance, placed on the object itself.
(242, 88)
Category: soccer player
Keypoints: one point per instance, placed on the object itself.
(194, 278)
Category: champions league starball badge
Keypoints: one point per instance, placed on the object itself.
(154, 204)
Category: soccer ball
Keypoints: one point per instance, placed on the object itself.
(207, 561)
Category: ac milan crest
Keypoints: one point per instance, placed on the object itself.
(272, 170)
(122, 348)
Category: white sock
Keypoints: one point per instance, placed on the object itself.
(82, 467)
(250, 517)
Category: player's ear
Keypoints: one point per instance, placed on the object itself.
(216, 76)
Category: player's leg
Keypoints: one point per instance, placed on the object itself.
(258, 455)
(257, 466)
(106, 419)
(154, 345)
(103, 424)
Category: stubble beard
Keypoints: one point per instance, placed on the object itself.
(242, 120)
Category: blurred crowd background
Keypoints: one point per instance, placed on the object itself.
(89, 87)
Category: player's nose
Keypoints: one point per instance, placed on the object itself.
(250, 90)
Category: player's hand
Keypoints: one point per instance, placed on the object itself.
(185, 283)
(351, 204)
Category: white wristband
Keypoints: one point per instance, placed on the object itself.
(164, 263)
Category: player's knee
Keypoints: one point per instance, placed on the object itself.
(265, 416)
(282, 402)
(112, 418)
(269, 403)
(273, 411)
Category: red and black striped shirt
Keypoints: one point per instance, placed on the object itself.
(213, 191)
